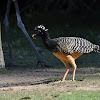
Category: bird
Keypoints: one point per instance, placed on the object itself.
(67, 49)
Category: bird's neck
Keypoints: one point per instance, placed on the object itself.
(46, 40)
(50, 44)
(46, 37)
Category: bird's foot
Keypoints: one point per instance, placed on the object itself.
(73, 80)
(59, 81)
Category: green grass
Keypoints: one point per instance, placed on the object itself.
(40, 94)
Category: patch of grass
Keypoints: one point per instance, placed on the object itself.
(80, 95)
(49, 94)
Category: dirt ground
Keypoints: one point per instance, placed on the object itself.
(86, 79)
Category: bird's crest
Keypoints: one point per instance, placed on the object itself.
(41, 27)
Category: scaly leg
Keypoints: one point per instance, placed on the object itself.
(67, 70)
(6, 23)
(22, 27)
(75, 56)
(74, 70)
(71, 60)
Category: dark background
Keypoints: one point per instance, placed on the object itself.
(85, 12)
(70, 7)
(79, 18)
(63, 17)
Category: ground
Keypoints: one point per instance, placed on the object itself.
(42, 84)
(86, 79)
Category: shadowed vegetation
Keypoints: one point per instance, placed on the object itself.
(59, 25)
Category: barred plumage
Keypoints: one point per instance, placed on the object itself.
(74, 44)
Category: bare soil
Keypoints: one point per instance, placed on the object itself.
(86, 79)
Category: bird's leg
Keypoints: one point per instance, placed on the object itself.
(22, 27)
(67, 70)
(74, 70)
(71, 60)
(63, 59)
(6, 23)
(74, 56)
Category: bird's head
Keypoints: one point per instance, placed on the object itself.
(40, 30)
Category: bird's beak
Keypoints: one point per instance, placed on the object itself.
(33, 36)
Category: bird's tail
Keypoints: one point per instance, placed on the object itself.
(97, 49)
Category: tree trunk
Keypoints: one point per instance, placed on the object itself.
(2, 63)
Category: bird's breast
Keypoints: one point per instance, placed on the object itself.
(51, 46)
